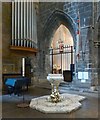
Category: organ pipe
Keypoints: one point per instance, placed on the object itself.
(30, 20)
(23, 23)
(12, 23)
(32, 24)
(15, 20)
(18, 22)
(25, 20)
(27, 24)
(22, 20)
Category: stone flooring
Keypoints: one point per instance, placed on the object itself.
(89, 107)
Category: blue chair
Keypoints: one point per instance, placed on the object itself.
(10, 83)
(14, 85)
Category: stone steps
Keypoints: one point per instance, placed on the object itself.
(64, 86)
(76, 84)
(80, 88)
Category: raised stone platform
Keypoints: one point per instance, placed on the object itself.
(69, 103)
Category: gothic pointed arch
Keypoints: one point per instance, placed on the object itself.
(57, 18)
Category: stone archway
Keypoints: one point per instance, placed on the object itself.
(57, 18)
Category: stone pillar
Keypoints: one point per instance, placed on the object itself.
(47, 64)
(86, 38)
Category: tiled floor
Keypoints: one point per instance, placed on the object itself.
(89, 107)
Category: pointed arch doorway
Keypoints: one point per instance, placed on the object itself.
(62, 53)
(53, 22)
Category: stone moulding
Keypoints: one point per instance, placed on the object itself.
(69, 103)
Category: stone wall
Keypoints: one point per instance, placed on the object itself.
(87, 12)
(97, 26)
(49, 17)
(85, 9)
(46, 28)
(8, 57)
(95, 44)
(11, 57)
(0, 47)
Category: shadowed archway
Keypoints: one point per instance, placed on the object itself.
(57, 18)
(53, 22)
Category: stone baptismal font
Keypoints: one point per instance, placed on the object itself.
(55, 80)
(56, 102)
